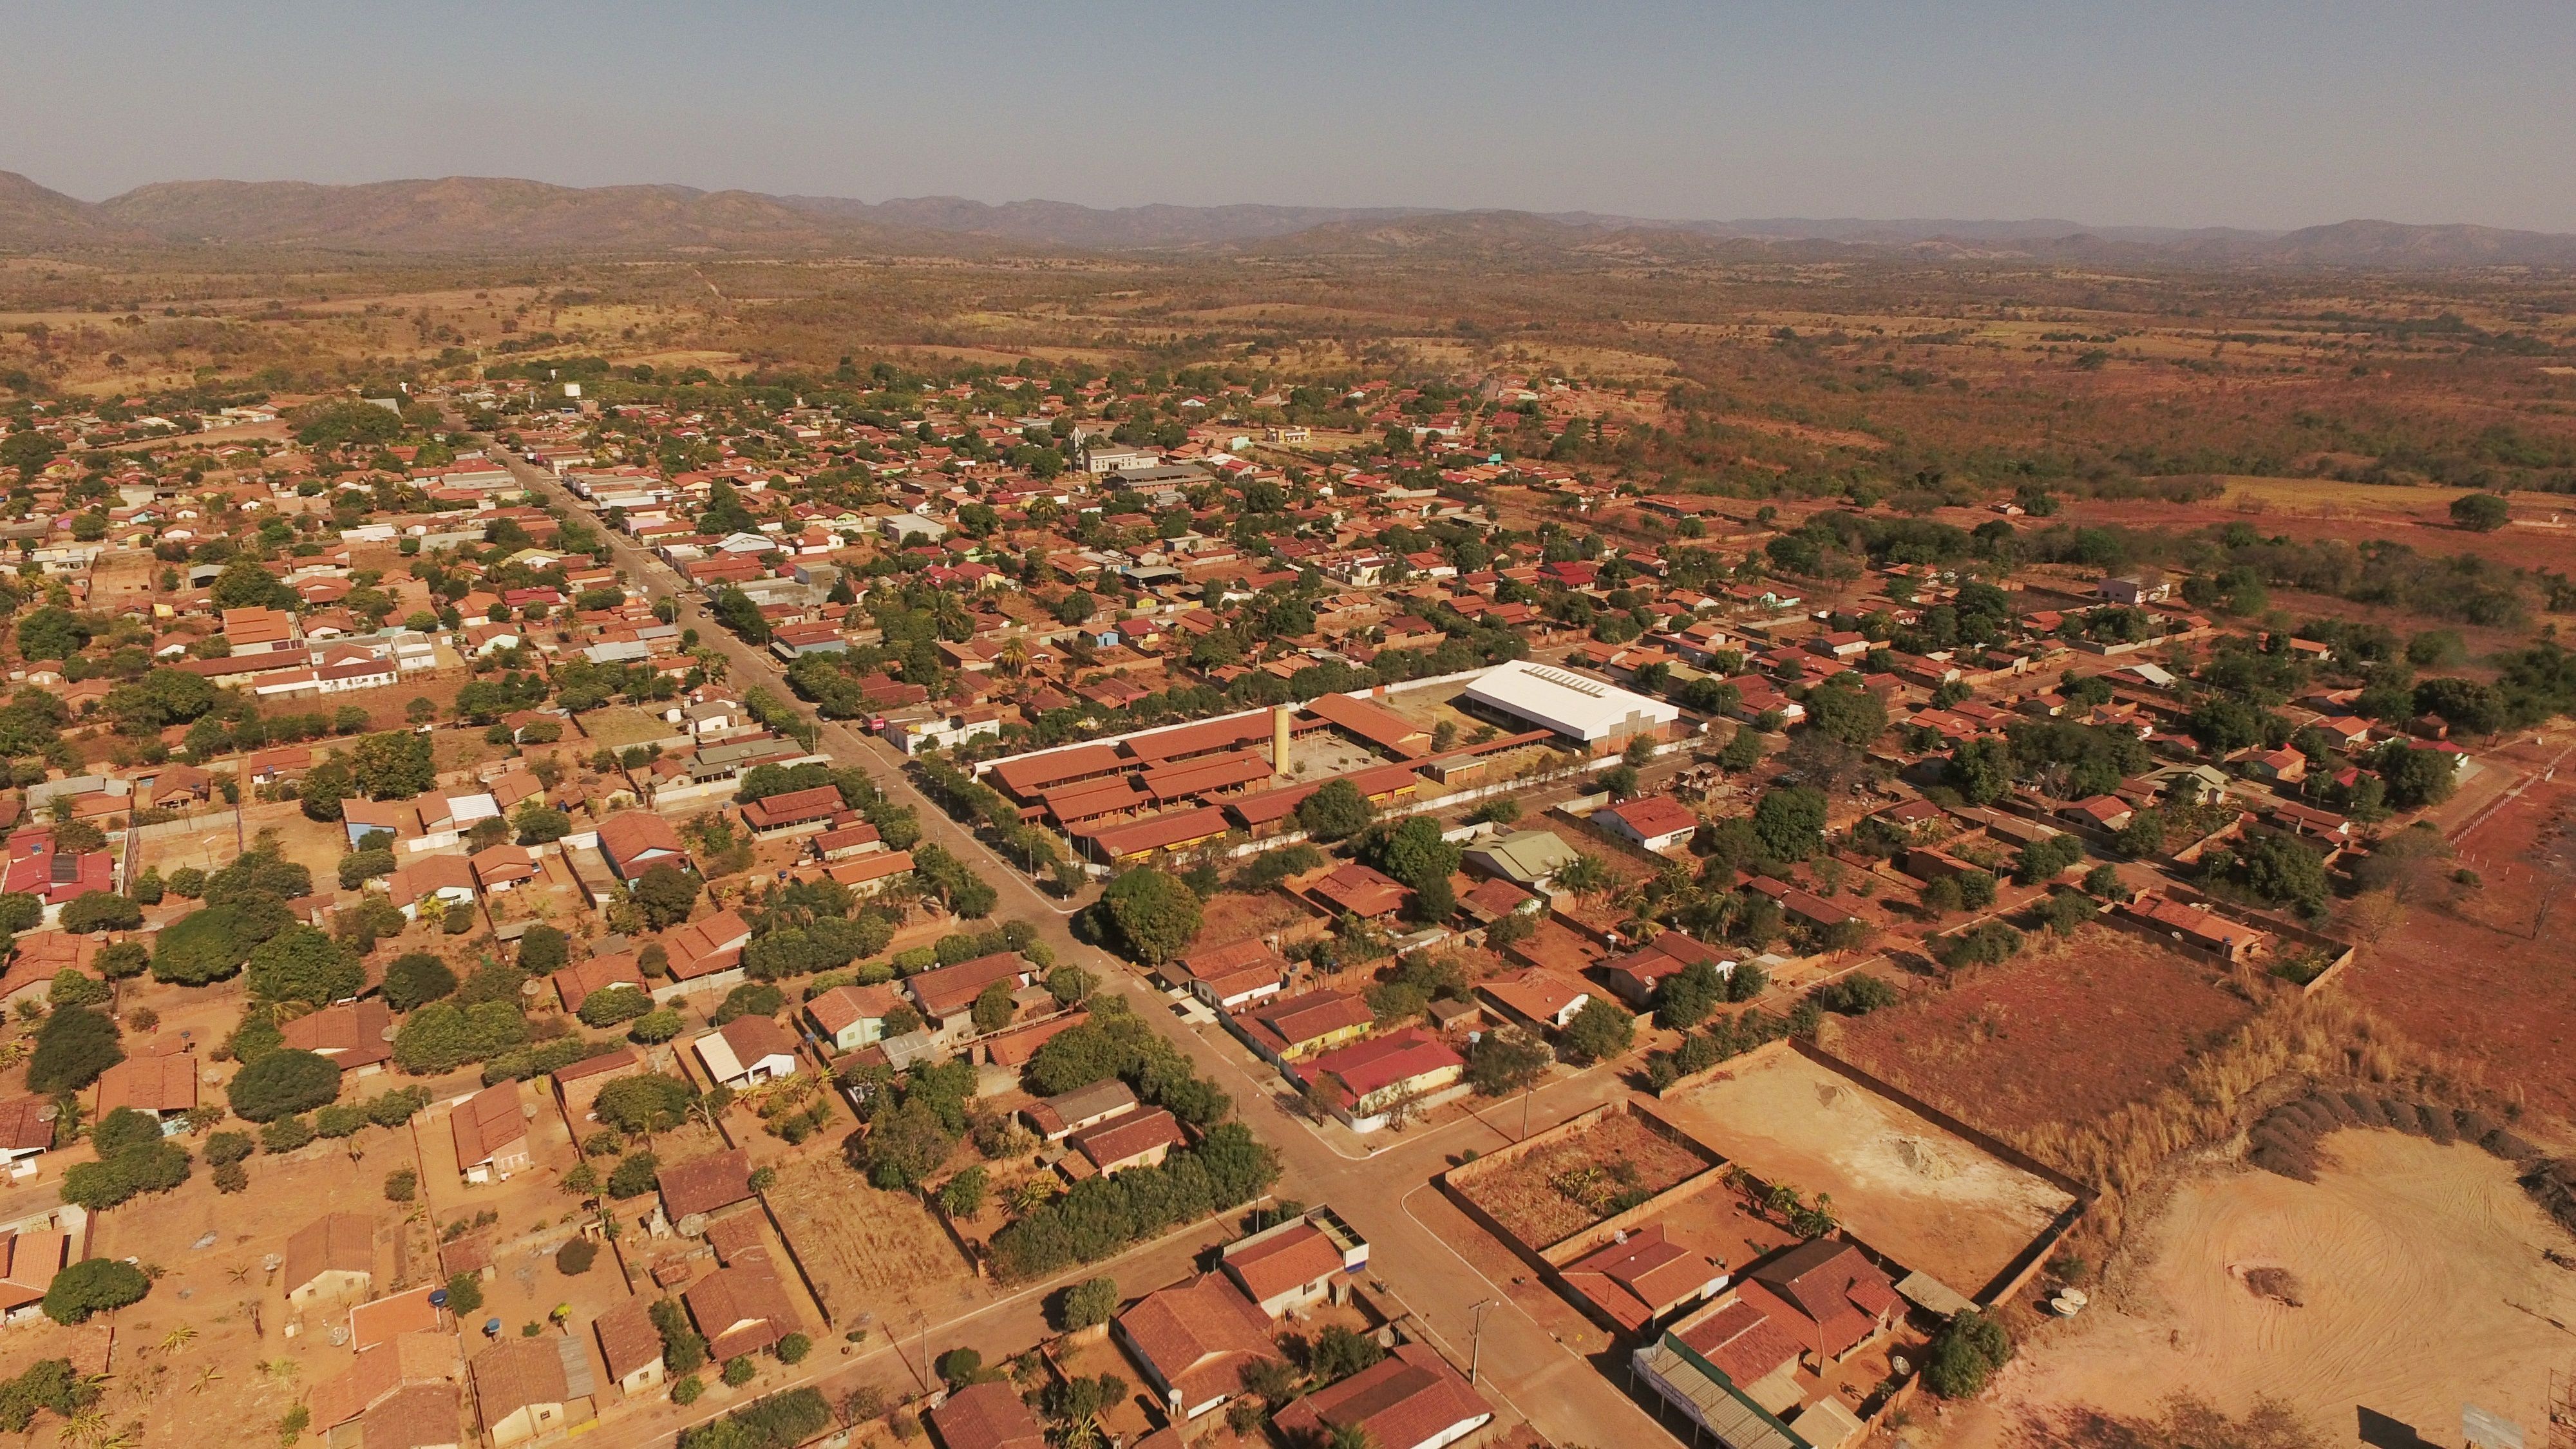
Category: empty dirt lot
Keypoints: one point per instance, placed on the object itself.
(2065, 1032)
(1568, 1185)
(2420, 1281)
(1905, 1186)
(870, 1252)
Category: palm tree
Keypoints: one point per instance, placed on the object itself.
(178, 1338)
(1014, 658)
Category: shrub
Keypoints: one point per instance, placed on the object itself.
(283, 1082)
(125, 1127)
(286, 1134)
(1087, 1304)
(231, 1177)
(94, 1285)
(1966, 1354)
(575, 1257)
(687, 1390)
(613, 1006)
(226, 1148)
(154, 1166)
(1857, 995)
(793, 1348)
(402, 1185)
(464, 1294)
(737, 1372)
(1600, 1031)
(653, 1103)
(101, 911)
(634, 1176)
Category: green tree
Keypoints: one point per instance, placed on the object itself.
(73, 1047)
(1845, 712)
(1980, 770)
(1087, 1304)
(1335, 812)
(416, 979)
(666, 894)
(1507, 1060)
(282, 1083)
(1600, 1031)
(324, 787)
(1684, 999)
(538, 823)
(395, 765)
(1789, 821)
(94, 1285)
(302, 964)
(993, 1008)
(1965, 1355)
(2480, 512)
(101, 911)
(1154, 915)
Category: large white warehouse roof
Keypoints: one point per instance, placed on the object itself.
(1569, 703)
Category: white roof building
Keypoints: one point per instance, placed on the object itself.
(1575, 705)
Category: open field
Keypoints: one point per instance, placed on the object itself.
(870, 1252)
(1902, 1184)
(2490, 980)
(1567, 1186)
(2418, 1274)
(2065, 1032)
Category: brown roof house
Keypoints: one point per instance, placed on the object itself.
(850, 1017)
(1058, 1117)
(1295, 1264)
(355, 1035)
(416, 1416)
(491, 1131)
(527, 1387)
(747, 1051)
(630, 1345)
(946, 994)
(701, 1185)
(742, 1307)
(332, 1256)
(382, 1371)
(1135, 1139)
(1410, 1400)
(634, 841)
(1830, 1296)
(1642, 1277)
(28, 1263)
(445, 879)
(164, 1085)
(987, 1416)
(26, 1133)
(1295, 1027)
(1194, 1340)
(1545, 999)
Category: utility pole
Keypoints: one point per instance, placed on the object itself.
(1527, 1091)
(1476, 1341)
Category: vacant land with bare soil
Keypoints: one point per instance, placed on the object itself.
(2065, 1032)
(2418, 1280)
(1567, 1186)
(868, 1251)
(1899, 1181)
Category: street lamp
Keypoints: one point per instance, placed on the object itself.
(1476, 1340)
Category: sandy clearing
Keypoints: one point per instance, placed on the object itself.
(1901, 1183)
(2420, 1273)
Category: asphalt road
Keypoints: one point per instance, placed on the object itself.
(1523, 1365)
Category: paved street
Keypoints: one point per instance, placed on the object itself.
(1552, 1387)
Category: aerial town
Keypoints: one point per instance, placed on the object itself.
(1410, 836)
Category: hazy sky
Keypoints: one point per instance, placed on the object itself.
(2114, 112)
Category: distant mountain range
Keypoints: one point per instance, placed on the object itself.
(466, 215)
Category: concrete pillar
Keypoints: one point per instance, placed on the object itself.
(1279, 741)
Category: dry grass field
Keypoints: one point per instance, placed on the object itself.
(2490, 981)
(2065, 1032)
